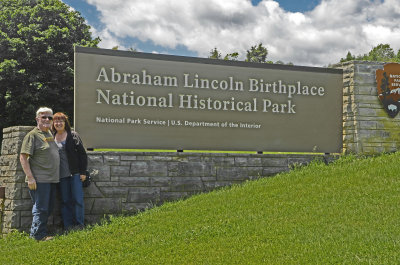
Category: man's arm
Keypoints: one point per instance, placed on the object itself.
(23, 158)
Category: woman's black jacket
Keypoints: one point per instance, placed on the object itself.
(77, 157)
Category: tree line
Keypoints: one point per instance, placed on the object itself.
(379, 53)
(256, 54)
(37, 39)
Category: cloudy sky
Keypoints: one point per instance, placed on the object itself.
(304, 32)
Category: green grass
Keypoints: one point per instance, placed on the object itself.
(344, 213)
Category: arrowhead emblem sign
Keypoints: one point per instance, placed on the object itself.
(388, 85)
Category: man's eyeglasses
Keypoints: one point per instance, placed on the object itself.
(50, 118)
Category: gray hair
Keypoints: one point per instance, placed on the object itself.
(43, 110)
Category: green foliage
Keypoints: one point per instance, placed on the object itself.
(380, 53)
(37, 39)
(257, 54)
(215, 54)
(342, 213)
(231, 56)
(349, 57)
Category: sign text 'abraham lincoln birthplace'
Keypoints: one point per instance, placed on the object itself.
(136, 100)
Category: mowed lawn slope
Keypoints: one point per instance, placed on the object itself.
(347, 212)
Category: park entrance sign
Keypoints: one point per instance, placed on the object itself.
(135, 100)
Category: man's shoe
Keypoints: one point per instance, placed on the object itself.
(47, 238)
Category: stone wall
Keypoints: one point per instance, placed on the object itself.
(126, 182)
(367, 128)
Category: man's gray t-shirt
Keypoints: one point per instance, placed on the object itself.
(44, 159)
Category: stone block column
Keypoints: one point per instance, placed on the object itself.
(16, 207)
(367, 128)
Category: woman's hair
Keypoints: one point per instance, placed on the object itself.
(63, 117)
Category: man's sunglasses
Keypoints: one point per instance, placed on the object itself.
(47, 117)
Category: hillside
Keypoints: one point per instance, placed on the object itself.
(346, 212)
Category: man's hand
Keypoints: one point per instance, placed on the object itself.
(27, 170)
(32, 183)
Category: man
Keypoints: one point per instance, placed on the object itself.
(40, 161)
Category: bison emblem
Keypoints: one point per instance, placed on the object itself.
(388, 85)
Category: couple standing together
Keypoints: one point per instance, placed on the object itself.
(53, 154)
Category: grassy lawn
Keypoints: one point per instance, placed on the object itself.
(343, 213)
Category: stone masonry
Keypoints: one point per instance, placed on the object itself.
(367, 128)
(126, 182)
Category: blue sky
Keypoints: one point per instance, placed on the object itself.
(304, 32)
(294, 5)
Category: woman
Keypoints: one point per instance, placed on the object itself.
(73, 163)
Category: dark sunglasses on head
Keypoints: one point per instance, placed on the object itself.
(47, 117)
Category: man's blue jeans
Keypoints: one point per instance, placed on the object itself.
(72, 205)
(43, 202)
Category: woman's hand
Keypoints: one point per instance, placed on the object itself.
(83, 177)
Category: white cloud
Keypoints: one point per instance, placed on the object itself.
(108, 40)
(318, 37)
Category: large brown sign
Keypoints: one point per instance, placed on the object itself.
(388, 85)
(135, 100)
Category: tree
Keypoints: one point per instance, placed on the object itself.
(380, 53)
(215, 54)
(37, 39)
(349, 57)
(231, 56)
(257, 54)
